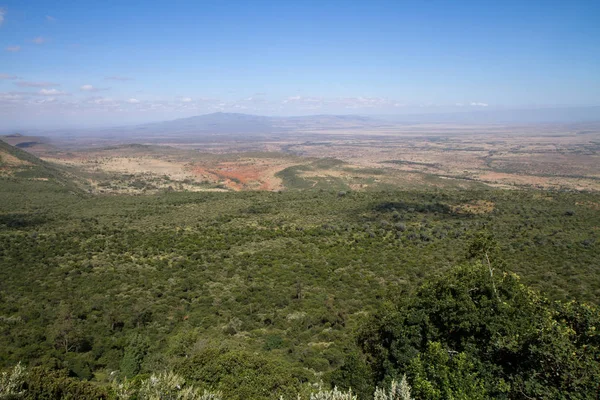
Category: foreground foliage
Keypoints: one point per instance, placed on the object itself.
(470, 335)
(168, 386)
(12, 382)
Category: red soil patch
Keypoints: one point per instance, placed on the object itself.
(241, 175)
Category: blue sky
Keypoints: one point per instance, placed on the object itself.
(112, 62)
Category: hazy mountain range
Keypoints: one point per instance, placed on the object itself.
(244, 124)
(234, 124)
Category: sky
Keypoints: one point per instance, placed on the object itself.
(101, 63)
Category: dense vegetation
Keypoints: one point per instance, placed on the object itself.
(475, 335)
(268, 293)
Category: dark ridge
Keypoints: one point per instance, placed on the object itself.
(25, 145)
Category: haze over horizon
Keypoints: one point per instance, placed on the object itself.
(115, 63)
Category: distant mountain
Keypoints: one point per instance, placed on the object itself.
(235, 126)
(253, 125)
(242, 125)
(216, 123)
(234, 123)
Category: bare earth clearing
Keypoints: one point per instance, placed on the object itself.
(133, 169)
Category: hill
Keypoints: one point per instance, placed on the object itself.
(216, 123)
(235, 123)
(18, 166)
(221, 125)
(34, 144)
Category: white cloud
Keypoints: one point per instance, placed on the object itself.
(119, 78)
(51, 92)
(91, 88)
(305, 103)
(2, 14)
(360, 102)
(6, 76)
(477, 104)
(35, 84)
(13, 49)
(43, 95)
(364, 102)
(256, 100)
(39, 40)
(10, 96)
(291, 99)
(103, 101)
(41, 92)
(50, 18)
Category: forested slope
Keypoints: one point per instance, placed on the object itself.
(258, 291)
(24, 167)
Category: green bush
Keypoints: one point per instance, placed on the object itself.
(43, 384)
(243, 375)
(467, 334)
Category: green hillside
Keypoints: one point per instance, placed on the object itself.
(18, 165)
(255, 294)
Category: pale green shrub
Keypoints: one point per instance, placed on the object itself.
(334, 394)
(170, 386)
(123, 390)
(397, 391)
(11, 383)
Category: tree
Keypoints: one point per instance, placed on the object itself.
(439, 374)
(66, 332)
(354, 374)
(133, 357)
(495, 329)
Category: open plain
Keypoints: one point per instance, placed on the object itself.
(359, 156)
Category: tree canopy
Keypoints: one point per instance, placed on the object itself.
(467, 335)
